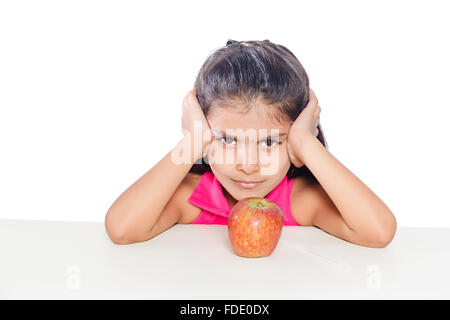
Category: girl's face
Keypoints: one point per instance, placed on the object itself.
(247, 147)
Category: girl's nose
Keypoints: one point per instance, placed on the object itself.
(247, 159)
(249, 168)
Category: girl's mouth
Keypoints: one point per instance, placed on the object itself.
(248, 185)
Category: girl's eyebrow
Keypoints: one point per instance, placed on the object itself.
(223, 133)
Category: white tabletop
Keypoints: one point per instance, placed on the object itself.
(77, 260)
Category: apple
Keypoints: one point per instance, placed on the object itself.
(254, 227)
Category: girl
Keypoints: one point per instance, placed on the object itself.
(259, 86)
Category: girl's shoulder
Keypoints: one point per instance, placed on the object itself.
(189, 211)
(302, 200)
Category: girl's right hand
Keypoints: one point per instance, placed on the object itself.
(193, 116)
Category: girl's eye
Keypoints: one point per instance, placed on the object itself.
(271, 144)
(232, 140)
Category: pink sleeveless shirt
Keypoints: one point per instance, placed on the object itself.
(209, 196)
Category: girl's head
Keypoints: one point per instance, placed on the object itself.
(250, 91)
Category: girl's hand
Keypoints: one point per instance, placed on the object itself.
(193, 117)
(304, 127)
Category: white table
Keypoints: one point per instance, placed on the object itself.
(77, 260)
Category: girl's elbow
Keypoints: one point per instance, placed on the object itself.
(115, 232)
(388, 233)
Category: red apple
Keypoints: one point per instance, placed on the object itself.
(254, 227)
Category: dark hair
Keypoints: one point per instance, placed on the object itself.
(245, 71)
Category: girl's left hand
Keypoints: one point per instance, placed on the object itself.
(304, 127)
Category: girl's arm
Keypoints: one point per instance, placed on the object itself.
(344, 205)
(152, 205)
(133, 215)
(347, 208)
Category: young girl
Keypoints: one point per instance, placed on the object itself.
(259, 86)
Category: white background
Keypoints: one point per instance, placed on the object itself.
(91, 93)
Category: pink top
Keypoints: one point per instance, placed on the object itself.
(208, 195)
